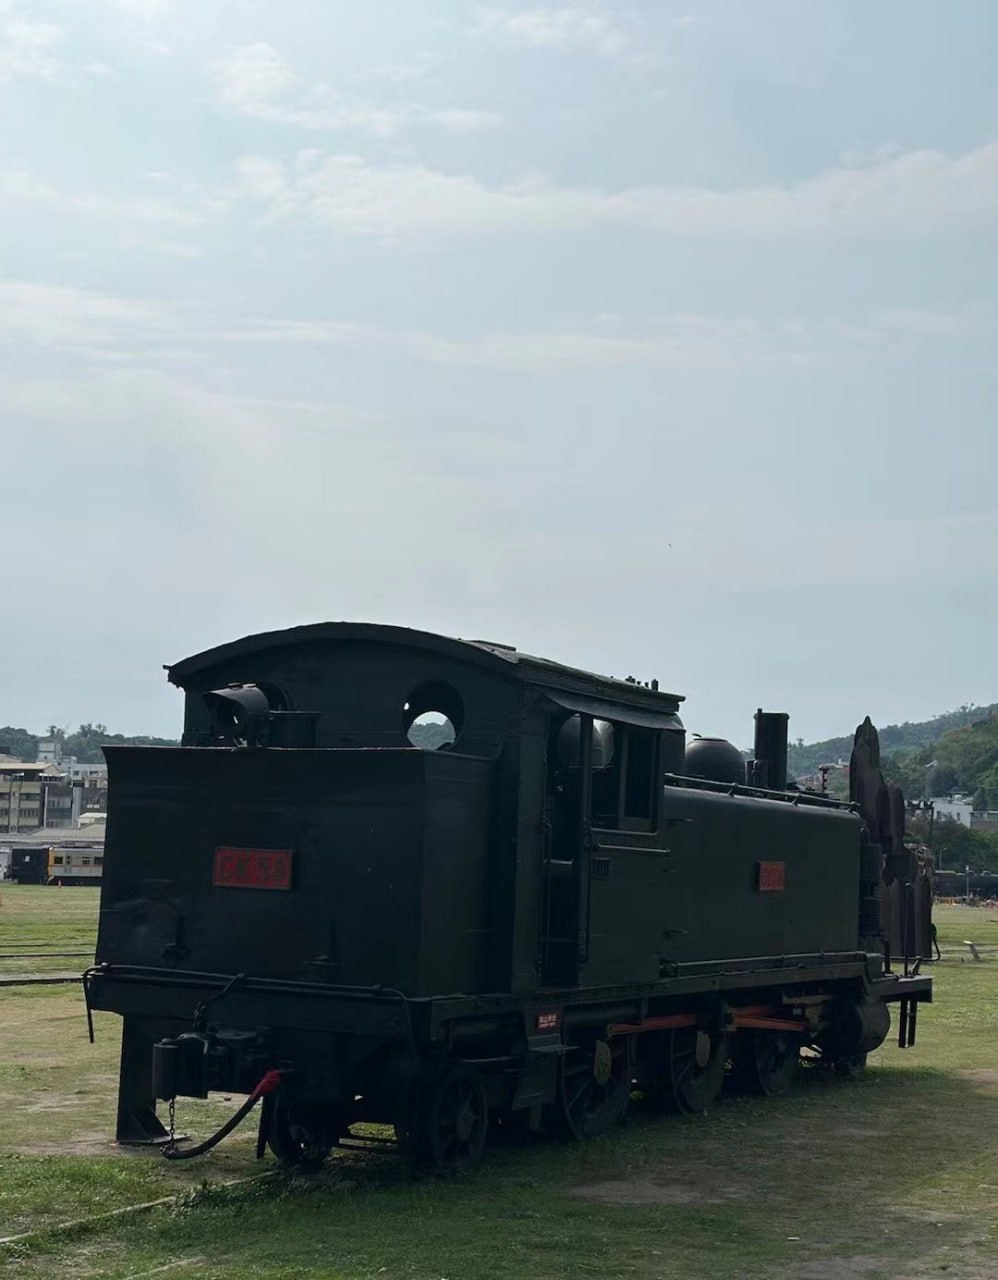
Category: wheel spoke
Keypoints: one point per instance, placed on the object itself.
(456, 1121)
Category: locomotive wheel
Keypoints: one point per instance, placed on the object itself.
(768, 1061)
(594, 1088)
(850, 1068)
(302, 1137)
(455, 1122)
(694, 1071)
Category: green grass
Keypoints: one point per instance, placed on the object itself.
(31, 920)
(893, 1176)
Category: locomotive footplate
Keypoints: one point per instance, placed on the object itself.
(187, 1034)
(895, 986)
(177, 996)
(908, 992)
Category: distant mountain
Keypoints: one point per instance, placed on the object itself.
(895, 739)
(954, 753)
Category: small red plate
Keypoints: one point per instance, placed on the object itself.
(252, 869)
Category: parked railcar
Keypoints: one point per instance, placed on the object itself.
(75, 864)
(559, 908)
(64, 864)
(29, 866)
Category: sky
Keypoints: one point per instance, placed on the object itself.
(656, 338)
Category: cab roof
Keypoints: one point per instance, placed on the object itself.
(503, 660)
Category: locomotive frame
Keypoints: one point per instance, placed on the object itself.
(510, 929)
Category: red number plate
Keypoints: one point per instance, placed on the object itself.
(252, 869)
(772, 876)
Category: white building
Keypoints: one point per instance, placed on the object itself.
(50, 752)
(958, 808)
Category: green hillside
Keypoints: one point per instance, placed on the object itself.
(895, 739)
(84, 743)
(954, 753)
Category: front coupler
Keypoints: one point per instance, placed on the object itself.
(196, 1062)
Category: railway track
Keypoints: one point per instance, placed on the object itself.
(43, 955)
(29, 951)
(40, 980)
(96, 1219)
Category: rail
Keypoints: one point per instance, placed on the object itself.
(808, 799)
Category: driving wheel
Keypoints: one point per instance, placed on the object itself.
(455, 1122)
(302, 1136)
(694, 1071)
(768, 1061)
(594, 1088)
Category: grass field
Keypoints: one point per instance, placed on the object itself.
(889, 1178)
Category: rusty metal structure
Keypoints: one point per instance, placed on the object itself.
(905, 886)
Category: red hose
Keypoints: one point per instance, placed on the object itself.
(268, 1084)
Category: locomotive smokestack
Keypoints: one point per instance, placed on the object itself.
(771, 749)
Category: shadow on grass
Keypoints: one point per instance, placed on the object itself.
(838, 1179)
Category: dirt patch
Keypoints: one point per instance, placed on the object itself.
(980, 1075)
(82, 1144)
(640, 1191)
(857, 1267)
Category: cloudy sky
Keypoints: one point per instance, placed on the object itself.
(655, 337)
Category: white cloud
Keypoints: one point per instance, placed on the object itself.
(147, 10)
(27, 49)
(457, 119)
(251, 77)
(684, 343)
(320, 498)
(917, 193)
(257, 81)
(136, 329)
(54, 315)
(679, 343)
(558, 27)
(100, 71)
(266, 483)
(137, 219)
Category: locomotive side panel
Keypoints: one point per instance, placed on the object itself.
(457, 945)
(733, 878)
(294, 864)
(762, 877)
(364, 690)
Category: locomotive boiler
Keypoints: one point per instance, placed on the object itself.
(438, 884)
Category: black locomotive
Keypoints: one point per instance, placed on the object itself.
(967, 884)
(439, 884)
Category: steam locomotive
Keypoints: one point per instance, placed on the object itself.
(442, 885)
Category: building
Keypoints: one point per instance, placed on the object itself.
(956, 808)
(960, 809)
(985, 820)
(50, 752)
(22, 794)
(42, 794)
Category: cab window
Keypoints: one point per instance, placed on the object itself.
(624, 773)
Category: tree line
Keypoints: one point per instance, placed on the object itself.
(84, 743)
